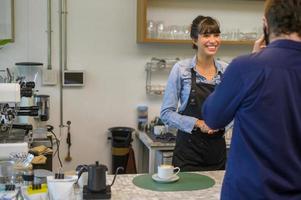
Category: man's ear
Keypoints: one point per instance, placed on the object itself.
(265, 22)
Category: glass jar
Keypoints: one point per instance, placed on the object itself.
(142, 112)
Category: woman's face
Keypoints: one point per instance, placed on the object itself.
(208, 44)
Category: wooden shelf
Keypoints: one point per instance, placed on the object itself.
(166, 41)
(142, 6)
(141, 20)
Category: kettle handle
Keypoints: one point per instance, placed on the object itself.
(81, 170)
(117, 170)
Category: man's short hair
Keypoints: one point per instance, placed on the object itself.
(283, 16)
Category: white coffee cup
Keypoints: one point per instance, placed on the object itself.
(158, 130)
(167, 171)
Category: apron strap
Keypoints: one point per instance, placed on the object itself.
(193, 88)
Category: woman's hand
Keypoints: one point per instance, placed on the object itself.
(204, 128)
(259, 45)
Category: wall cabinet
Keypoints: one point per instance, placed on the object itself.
(240, 20)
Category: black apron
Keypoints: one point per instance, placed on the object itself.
(199, 151)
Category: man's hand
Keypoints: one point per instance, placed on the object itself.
(259, 45)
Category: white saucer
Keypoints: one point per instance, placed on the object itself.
(156, 178)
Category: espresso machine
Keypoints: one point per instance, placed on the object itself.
(11, 135)
(11, 129)
(30, 73)
(23, 112)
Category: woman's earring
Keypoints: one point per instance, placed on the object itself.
(195, 42)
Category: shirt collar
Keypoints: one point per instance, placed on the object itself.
(285, 43)
(217, 65)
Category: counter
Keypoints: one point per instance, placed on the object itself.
(153, 147)
(124, 189)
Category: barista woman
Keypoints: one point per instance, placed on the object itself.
(198, 148)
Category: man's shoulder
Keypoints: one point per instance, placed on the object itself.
(244, 58)
(247, 61)
(249, 65)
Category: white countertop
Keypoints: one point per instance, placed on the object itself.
(124, 189)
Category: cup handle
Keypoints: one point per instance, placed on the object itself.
(178, 170)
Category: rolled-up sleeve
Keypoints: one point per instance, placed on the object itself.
(169, 114)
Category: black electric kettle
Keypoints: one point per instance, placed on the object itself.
(96, 176)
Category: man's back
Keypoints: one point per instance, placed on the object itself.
(265, 156)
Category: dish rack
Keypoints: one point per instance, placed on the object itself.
(155, 68)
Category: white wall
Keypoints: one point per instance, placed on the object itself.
(102, 41)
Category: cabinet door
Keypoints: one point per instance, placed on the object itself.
(241, 20)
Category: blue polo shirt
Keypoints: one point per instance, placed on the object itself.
(262, 92)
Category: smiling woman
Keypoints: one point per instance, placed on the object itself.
(6, 21)
(198, 148)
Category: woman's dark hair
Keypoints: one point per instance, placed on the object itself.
(283, 16)
(203, 25)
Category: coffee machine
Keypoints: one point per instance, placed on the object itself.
(11, 129)
(29, 74)
(9, 98)
(96, 187)
(40, 132)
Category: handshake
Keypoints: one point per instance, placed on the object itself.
(204, 128)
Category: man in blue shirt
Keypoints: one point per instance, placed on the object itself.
(262, 92)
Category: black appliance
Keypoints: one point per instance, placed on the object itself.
(121, 138)
(96, 187)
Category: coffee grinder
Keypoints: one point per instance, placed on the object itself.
(39, 136)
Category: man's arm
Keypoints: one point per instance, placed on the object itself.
(220, 107)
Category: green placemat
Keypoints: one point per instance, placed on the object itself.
(188, 181)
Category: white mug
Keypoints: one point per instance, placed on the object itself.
(158, 130)
(167, 171)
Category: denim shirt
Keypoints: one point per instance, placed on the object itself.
(178, 90)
